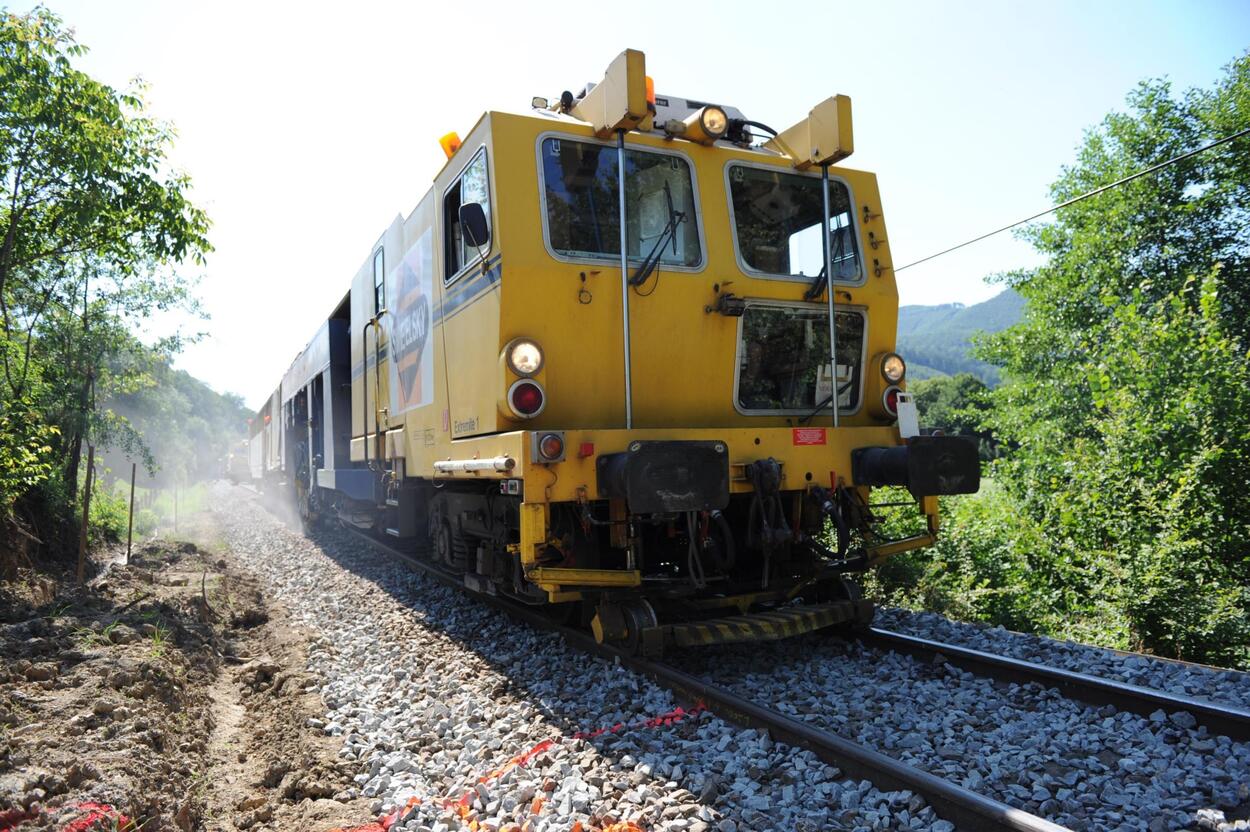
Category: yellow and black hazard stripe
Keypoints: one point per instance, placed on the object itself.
(762, 626)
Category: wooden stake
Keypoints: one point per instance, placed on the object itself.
(175, 506)
(86, 507)
(130, 526)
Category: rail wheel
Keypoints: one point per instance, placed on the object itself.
(450, 549)
(630, 625)
(308, 514)
(443, 539)
(639, 617)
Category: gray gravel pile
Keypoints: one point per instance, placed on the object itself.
(1227, 686)
(1082, 767)
(430, 690)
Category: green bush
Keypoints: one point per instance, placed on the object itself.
(107, 517)
(982, 568)
(146, 522)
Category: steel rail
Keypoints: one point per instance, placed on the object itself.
(964, 807)
(1222, 719)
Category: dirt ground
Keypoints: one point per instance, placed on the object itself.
(167, 694)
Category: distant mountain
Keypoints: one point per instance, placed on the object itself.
(934, 340)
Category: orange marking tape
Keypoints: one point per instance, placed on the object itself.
(93, 813)
(384, 822)
(96, 812)
(463, 805)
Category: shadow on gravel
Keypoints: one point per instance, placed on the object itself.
(578, 702)
(423, 594)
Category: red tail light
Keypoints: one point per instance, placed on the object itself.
(526, 398)
(890, 400)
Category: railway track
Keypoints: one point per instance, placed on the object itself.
(963, 807)
(1218, 718)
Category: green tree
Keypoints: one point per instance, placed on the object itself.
(958, 406)
(1125, 393)
(91, 224)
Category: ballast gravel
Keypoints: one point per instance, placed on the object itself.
(1230, 687)
(1079, 766)
(431, 690)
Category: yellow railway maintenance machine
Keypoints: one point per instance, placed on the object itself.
(608, 388)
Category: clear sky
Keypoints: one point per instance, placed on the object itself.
(306, 127)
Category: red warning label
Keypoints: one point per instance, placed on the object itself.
(809, 436)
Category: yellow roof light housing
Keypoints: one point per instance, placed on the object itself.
(619, 101)
(824, 137)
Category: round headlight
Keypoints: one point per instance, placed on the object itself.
(893, 368)
(715, 122)
(524, 357)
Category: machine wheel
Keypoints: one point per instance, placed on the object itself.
(628, 625)
(443, 539)
(303, 504)
(639, 616)
(450, 549)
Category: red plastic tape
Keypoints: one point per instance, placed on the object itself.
(461, 805)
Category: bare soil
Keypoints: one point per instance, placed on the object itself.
(168, 690)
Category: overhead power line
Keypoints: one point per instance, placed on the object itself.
(1077, 199)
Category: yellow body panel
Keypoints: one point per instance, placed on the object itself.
(683, 365)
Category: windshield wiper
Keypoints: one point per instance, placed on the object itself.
(828, 401)
(839, 252)
(817, 286)
(675, 218)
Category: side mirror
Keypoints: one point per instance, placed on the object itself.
(473, 224)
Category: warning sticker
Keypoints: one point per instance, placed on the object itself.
(809, 436)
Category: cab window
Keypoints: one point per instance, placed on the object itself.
(472, 186)
(583, 204)
(777, 224)
(783, 359)
(379, 282)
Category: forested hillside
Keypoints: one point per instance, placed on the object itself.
(186, 428)
(936, 340)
